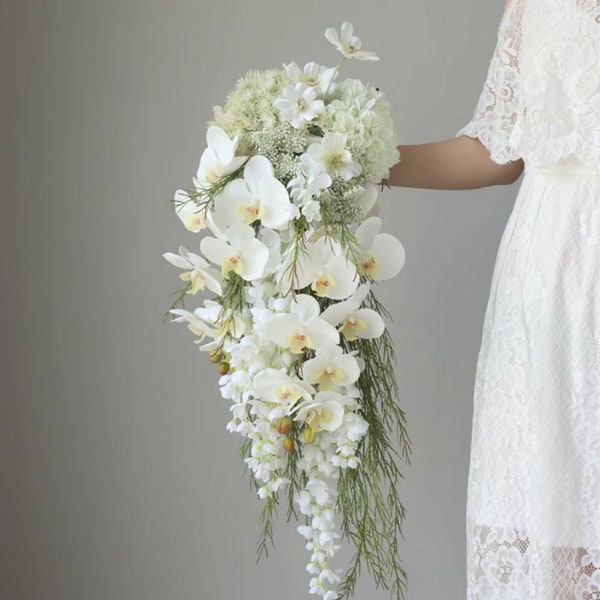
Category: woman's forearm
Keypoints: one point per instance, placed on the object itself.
(459, 163)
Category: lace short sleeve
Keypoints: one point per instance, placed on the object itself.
(497, 109)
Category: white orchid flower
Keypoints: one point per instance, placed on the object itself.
(192, 216)
(258, 196)
(196, 324)
(382, 255)
(325, 412)
(326, 270)
(272, 241)
(238, 251)
(330, 156)
(313, 75)
(367, 200)
(218, 159)
(348, 44)
(301, 328)
(331, 367)
(299, 104)
(198, 272)
(224, 323)
(279, 388)
(355, 322)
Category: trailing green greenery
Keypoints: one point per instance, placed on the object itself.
(372, 512)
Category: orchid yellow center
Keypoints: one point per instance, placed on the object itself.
(319, 416)
(298, 341)
(286, 394)
(323, 285)
(196, 279)
(351, 327)
(214, 173)
(250, 212)
(195, 222)
(232, 263)
(369, 265)
(328, 376)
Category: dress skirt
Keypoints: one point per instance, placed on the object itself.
(533, 505)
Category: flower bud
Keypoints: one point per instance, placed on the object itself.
(288, 444)
(283, 425)
(309, 435)
(223, 368)
(216, 356)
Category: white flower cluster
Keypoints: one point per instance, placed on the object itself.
(288, 297)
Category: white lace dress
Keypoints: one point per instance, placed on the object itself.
(533, 508)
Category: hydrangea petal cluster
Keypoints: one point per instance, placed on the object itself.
(288, 254)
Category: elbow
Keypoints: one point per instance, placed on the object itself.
(510, 172)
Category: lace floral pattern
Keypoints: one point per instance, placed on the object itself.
(541, 97)
(497, 108)
(533, 509)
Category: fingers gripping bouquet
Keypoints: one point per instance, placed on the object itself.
(284, 196)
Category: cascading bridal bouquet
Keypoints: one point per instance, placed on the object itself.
(286, 191)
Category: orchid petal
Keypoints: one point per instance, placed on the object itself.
(221, 144)
(276, 203)
(257, 168)
(366, 232)
(391, 253)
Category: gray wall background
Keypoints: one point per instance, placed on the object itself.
(119, 480)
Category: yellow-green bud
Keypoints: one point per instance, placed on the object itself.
(223, 367)
(283, 425)
(216, 356)
(309, 435)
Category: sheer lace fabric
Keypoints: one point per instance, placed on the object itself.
(541, 97)
(533, 507)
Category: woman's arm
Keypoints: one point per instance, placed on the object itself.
(460, 163)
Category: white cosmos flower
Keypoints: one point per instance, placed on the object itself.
(192, 216)
(301, 327)
(382, 255)
(348, 44)
(325, 412)
(238, 251)
(328, 272)
(313, 75)
(258, 196)
(218, 159)
(299, 104)
(331, 367)
(198, 272)
(355, 322)
(331, 156)
(279, 388)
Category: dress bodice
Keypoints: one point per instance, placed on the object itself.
(541, 97)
